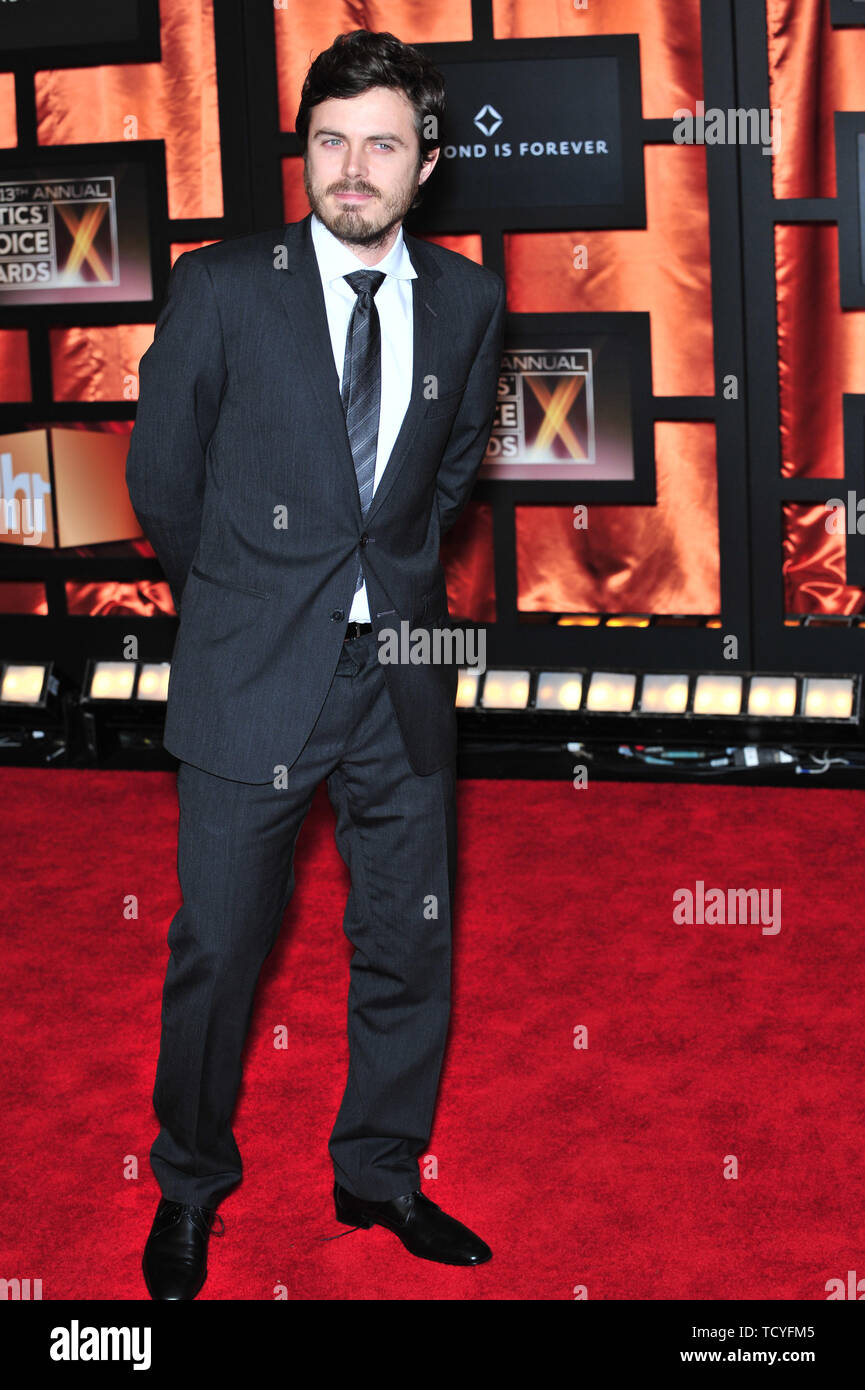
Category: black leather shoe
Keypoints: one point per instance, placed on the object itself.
(424, 1229)
(175, 1256)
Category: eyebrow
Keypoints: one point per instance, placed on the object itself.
(341, 133)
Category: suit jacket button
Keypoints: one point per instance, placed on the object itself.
(364, 540)
(337, 615)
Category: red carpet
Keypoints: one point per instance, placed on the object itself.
(601, 1167)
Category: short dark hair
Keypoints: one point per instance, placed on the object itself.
(359, 60)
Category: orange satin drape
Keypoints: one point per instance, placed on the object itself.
(174, 100)
(814, 71)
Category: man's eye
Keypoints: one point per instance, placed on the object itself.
(335, 140)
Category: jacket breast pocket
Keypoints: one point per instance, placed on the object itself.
(444, 405)
(224, 584)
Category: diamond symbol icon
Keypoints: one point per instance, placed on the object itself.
(488, 119)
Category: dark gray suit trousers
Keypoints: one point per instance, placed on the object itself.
(396, 832)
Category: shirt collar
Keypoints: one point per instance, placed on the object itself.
(336, 260)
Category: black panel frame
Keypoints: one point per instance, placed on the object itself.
(145, 49)
(847, 12)
(849, 125)
(835, 647)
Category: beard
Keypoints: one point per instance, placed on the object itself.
(369, 225)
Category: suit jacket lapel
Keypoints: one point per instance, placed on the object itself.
(300, 292)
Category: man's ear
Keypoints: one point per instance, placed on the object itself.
(429, 164)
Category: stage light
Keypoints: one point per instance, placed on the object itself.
(24, 685)
(611, 691)
(579, 620)
(153, 681)
(774, 696)
(111, 680)
(627, 620)
(559, 690)
(34, 714)
(467, 688)
(718, 695)
(664, 695)
(506, 690)
(826, 698)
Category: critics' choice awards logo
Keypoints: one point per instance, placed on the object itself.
(58, 234)
(545, 411)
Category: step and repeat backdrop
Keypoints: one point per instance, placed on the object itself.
(674, 194)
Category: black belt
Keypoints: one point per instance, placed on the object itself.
(356, 630)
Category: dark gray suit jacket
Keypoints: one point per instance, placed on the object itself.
(241, 474)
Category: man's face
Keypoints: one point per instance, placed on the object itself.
(361, 168)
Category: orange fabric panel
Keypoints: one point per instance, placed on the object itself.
(98, 363)
(669, 32)
(467, 245)
(294, 200)
(145, 598)
(14, 365)
(302, 31)
(8, 113)
(661, 559)
(814, 71)
(467, 557)
(23, 596)
(664, 269)
(174, 101)
(814, 564)
(821, 351)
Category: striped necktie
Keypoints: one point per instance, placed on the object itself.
(361, 384)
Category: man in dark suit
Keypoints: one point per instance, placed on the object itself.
(312, 415)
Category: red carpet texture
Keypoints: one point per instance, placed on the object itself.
(703, 1140)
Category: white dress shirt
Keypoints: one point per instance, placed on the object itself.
(393, 300)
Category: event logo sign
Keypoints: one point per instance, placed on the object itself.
(567, 392)
(545, 416)
(531, 137)
(58, 234)
(543, 133)
(74, 233)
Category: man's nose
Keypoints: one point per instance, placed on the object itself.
(354, 165)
